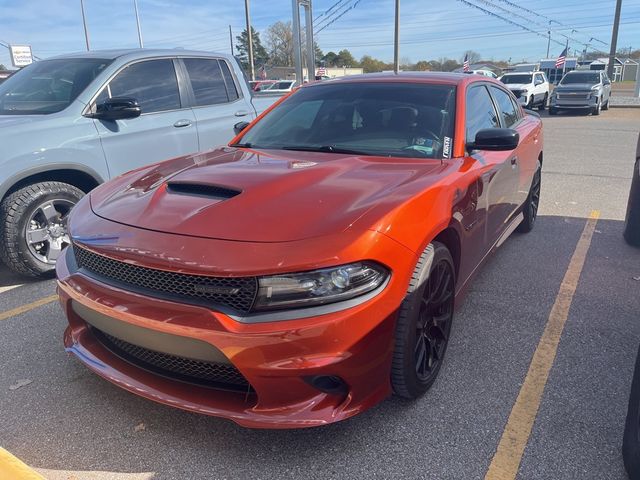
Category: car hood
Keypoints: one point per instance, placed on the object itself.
(575, 87)
(258, 196)
(12, 120)
(518, 86)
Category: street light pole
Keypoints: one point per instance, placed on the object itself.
(250, 38)
(84, 23)
(231, 40)
(135, 6)
(396, 40)
(297, 48)
(614, 39)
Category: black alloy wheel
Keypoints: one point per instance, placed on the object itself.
(424, 323)
(434, 322)
(530, 207)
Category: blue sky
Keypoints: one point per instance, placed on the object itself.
(429, 29)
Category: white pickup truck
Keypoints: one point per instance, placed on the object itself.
(69, 123)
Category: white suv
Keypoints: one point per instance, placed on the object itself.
(530, 88)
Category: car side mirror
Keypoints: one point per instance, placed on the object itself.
(117, 108)
(496, 139)
(240, 126)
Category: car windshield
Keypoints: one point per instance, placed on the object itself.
(48, 86)
(384, 119)
(590, 78)
(507, 79)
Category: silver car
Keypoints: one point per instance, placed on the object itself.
(582, 90)
(69, 123)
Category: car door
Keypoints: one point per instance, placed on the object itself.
(216, 99)
(499, 178)
(606, 87)
(540, 90)
(165, 129)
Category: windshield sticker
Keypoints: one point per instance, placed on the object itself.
(446, 149)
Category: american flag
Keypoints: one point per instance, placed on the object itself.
(321, 72)
(561, 59)
(465, 64)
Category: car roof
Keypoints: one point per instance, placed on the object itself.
(138, 53)
(407, 77)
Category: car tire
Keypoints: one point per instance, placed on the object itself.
(32, 213)
(596, 110)
(606, 105)
(529, 104)
(543, 105)
(553, 111)
(531, 204)
(631, 231)
(424, 323)
(631, 439)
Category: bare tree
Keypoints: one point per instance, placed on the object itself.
(472, 56)
(279, 41)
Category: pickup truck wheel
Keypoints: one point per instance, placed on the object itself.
(631, 439)
(529, 104)
(543, 105)
(35, 230)
(424, 323)
(606, 105)
(596, 110)
(530, 207)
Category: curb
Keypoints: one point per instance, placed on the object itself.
(625, 106)
(13, 468)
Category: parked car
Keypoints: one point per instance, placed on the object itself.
(631, 439)
(632, 220)
(582, 90)
(486, 73)
(72, 122)
(300, 275)
(283, 86)
(530, 88)
(260, 85)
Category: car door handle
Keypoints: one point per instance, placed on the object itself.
(514, 160)
(182, 123)
(241, 113)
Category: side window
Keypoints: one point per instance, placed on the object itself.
(232, 91)
(506, 106)
(152, 83)
(539, 78)
(481, 113)
(206, 80)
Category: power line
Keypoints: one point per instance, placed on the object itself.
(354, 5)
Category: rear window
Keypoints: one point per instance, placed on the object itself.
(385, 119)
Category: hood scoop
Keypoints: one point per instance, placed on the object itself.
(214, 192)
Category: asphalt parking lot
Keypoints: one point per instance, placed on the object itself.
(69, 424)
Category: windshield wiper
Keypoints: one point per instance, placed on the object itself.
(325, 148)
(242, 145)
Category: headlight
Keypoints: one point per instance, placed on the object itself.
(595, 87)
(318, 287)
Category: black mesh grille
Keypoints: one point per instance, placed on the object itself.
(217, 375)
(237, 293)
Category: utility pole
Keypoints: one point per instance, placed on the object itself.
(135, 6)
(250, 38)
(311, 54)
(396, 40)
(231, 40)
(549, 40)
(614, 40)
(84, 23)
(566, 52)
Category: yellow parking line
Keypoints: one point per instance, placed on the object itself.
(14, 469)
(506, 461)
(27, 307)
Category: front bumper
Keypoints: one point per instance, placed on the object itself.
(565, 102)
(277, 358)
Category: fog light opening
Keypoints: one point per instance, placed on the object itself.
(331, 384)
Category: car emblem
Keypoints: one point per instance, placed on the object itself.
(216, 290)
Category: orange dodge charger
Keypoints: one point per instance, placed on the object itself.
(310, 268)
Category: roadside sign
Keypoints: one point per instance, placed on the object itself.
(21, 55)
